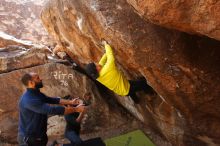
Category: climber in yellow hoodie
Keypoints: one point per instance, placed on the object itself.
(107, 73)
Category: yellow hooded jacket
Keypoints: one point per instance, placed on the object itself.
(110, 76)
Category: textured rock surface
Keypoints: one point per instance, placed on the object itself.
(18, 58)
(15, 54)
(59, 80)
(183, 69)
(201, 17)
(8, 40)
(20, 18)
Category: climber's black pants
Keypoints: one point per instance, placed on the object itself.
(139, 85)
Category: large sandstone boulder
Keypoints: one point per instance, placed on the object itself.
(21, 18)
(196, 16)
(183, 69)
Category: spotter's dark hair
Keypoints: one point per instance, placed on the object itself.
(26, 78)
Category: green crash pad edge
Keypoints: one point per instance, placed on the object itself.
(134, 138)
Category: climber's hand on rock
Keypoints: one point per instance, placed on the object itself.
(104, 42)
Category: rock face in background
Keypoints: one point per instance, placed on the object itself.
(8, 40)
(17, 59)
(22, 20)
(183, 69)
(17, 54)
(201, 17)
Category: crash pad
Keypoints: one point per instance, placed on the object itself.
(135, 138)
